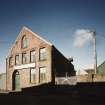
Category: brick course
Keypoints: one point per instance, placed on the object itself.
(35, 43)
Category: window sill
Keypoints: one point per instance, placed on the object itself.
(32, 61)
(32, 82)
(10, 66)
(43, 60)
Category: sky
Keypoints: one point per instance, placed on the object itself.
(57, 21)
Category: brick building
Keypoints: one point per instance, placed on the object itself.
(33, 61)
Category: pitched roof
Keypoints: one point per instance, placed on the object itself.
(101, 68)
(36, 35)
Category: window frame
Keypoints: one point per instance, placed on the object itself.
(16, 59)
(10, 62)
(40, 56)
(24, 42)
(42, 80)
(31, 76)
(25, 57)
(31, 56)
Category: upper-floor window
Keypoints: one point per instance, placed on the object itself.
(42, 74)
(42, 54)
(32, 56)
(11, 61)
(16, 59)
(24, 58)
(33, 75)
(24, 43)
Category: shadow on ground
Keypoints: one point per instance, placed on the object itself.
(48, 94)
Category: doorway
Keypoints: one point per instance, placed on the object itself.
(16, 80)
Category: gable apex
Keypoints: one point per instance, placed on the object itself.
(34, 34)
(47, 42)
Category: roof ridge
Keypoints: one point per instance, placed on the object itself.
(35, 34)
(25, 28)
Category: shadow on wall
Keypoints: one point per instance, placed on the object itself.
(61, 65)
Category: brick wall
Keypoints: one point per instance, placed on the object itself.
(34, 43)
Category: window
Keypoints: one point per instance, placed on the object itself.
(24, 42)
(42, 53)
(11, 61)
(24, 58)
(32, 56)
(16, 59)
(42, 74)
(33, 75)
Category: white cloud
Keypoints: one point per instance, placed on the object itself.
(82, 36)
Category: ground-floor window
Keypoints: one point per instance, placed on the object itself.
(42, 74)
(33, 75)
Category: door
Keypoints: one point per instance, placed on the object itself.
(16, 80)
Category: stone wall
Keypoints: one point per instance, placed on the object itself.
(91, 78)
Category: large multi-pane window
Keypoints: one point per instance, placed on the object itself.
(24, 43)
(42, 74)
(42, 54)
(33, 75)
(32, 56)
(24, 58)
(11, 61)
(16, 59)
